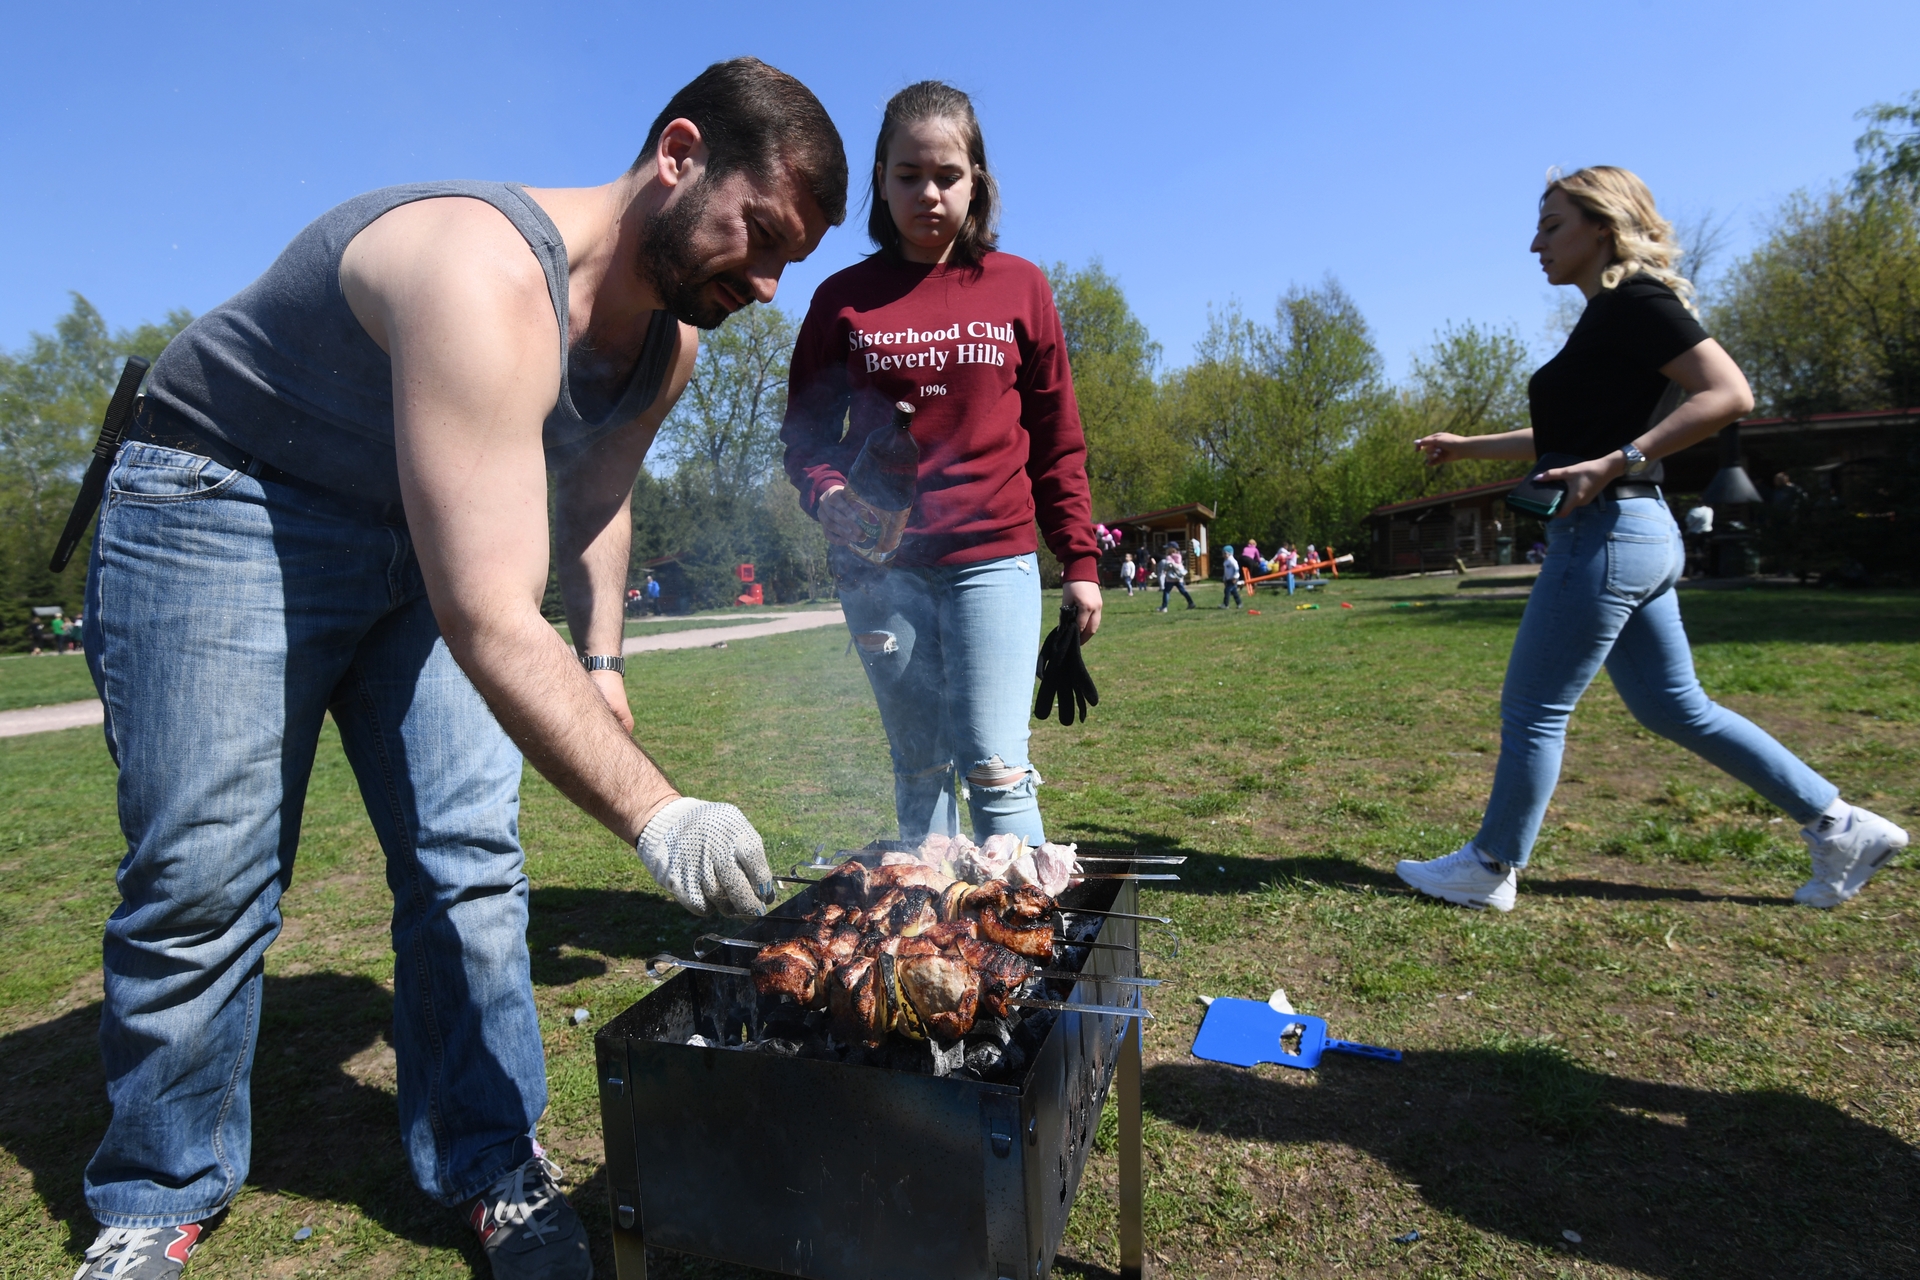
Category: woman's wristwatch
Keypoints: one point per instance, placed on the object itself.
(1637, 462)
(600, 663)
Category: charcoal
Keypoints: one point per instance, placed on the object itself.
(985, 1058)
(773, 1045)
(946, 1060)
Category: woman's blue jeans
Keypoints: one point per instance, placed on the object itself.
(227, 616)
(950, 652)
(1605, 596)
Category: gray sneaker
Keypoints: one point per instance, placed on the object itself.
(527, 1227)
(139, 1253)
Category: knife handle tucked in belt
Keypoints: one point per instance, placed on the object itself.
(112, 429)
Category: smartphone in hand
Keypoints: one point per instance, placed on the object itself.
(1542, 498)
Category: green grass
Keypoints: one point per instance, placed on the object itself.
(1655, 1050)
(42, 679)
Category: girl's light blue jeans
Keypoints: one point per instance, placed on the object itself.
(226, 617)
(1605, 596)
(950, 652)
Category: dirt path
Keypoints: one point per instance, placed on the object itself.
(62, 715)
(706, 637)
(80, 715)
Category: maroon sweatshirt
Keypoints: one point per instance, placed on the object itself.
(980, 354)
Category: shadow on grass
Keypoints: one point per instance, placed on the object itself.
(1221, 873)
(1715, 617)
(1524, 1142)
(320, 1131)
(620, 923)
(1616, 891)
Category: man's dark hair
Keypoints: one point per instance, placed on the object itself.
(757, 120)
(934, 100)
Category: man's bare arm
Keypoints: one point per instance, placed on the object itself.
(593, 527)
(453, 294)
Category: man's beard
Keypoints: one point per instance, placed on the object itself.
(667, 261)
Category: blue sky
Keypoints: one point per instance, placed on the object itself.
(158, 156)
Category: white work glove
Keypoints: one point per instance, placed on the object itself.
(709, 857)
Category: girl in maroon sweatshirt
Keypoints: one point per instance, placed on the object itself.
(970, 336)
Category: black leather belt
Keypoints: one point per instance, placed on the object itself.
(1630, 489)
(155, 424)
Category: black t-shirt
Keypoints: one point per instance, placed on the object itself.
(1597, 393)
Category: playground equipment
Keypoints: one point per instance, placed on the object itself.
(753, 593)
(1329, 561)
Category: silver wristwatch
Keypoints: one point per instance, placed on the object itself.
(600, 663)
(1637, 462)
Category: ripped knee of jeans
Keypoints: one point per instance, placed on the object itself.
(995, 774)
(874, 643)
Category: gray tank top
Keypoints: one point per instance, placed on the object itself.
(283, 370)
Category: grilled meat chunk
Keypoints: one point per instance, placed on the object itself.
(836, 942)
(1035, 941)
(1002, 973)
(903, 912)
(846, 886)
(942, 990)
(793, 968)
(905, 875)
(857, 1001)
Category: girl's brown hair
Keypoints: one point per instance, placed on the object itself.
(934, 100)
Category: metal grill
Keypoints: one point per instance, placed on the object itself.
(850, 1171)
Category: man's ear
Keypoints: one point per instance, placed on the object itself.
(681, 154)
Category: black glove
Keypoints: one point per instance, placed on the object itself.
(1062, 672)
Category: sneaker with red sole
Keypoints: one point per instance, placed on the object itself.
(140, 1253)
(527, 1227)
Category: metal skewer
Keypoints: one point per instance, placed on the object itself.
(1111, 915)
(1145, 859)
(1064, 1006)
(1069, 1006)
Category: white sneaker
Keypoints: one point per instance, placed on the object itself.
(1461, 877)
(1846, 856)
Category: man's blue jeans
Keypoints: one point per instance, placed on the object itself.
(226, 616)
(950, 652)
(1605, 595)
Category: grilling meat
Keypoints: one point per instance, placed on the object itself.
(846, 886)
(943, 991)
(903, 912)
(792, 968)
(904, 949)
(905, 875)
(857, 1002)
(1035, 941)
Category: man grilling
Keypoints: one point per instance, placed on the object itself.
(335, 499)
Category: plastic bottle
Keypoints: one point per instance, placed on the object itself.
(880, 486)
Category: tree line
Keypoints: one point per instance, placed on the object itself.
(1285, 422)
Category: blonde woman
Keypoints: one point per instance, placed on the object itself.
(1605, 592)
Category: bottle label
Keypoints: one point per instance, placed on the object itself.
(880, 529)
